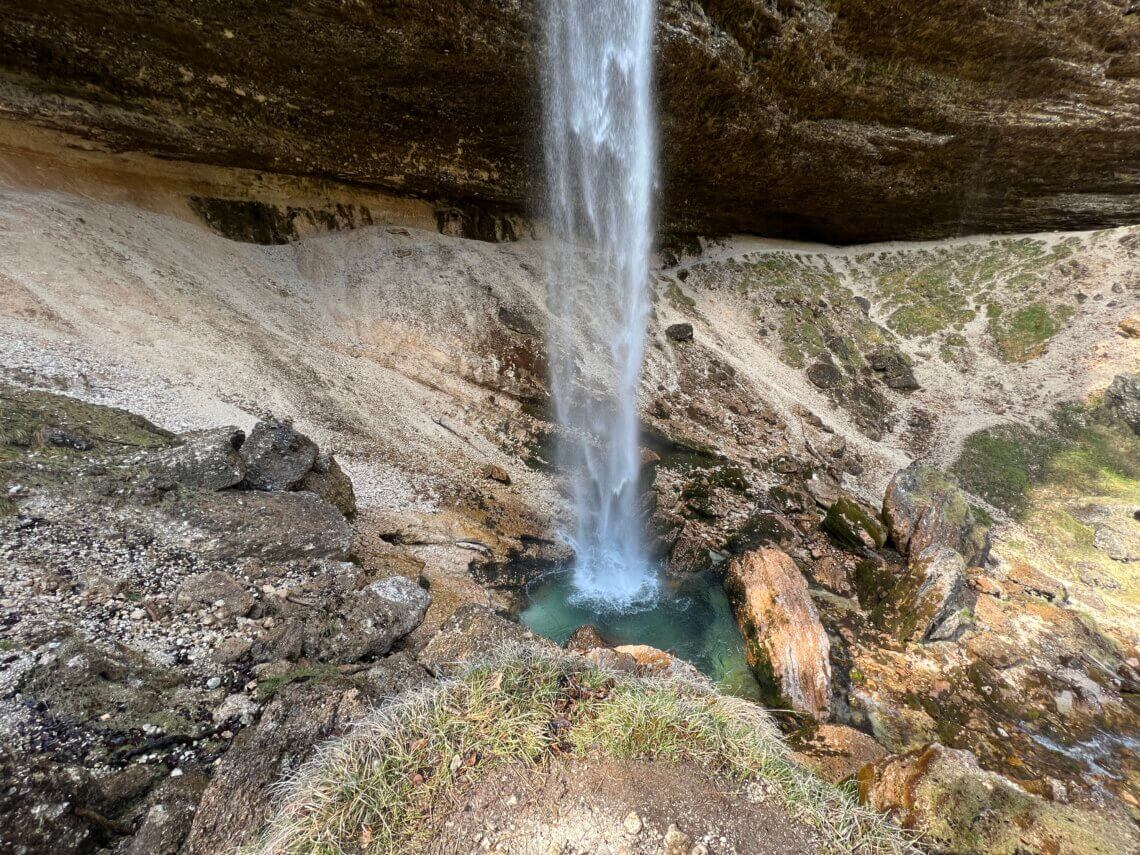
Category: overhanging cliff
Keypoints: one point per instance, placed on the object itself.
(842, 121)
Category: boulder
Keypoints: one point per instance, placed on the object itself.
(169, 816)
(495, 473)
(277, 457)
(924, 507)
(852, 526)
(237, 802)
(939, 606)
(652, 662)
(960, 808)
(1123, 398)
(894, 368)
(585, 638)
(368, 623)
(679, 332)
(825, 375)
(855, 151)
(784, 639)
(207, 459)
(328, 481)
(473, 631)
(232, 525)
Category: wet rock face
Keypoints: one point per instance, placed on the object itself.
(868, 119)
(784, 639)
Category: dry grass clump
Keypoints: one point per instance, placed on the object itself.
(374, 791)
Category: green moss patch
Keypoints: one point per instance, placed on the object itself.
(1023, 335)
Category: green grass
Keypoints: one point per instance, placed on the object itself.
(381, 782)
(1081, 453)
(1022, 335)
(1043, 477)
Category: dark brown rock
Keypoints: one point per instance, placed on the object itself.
(206, 459)
(277, 456)
(832, 104)
(679, 332)
(328, 481)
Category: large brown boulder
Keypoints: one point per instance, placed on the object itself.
(961, 808)
(784, 640)
(923, 508)
(846, 121)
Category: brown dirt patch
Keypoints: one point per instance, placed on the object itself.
(573, 808)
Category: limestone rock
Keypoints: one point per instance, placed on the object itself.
(783, 635)
(652, 662)
(277, 457)
(207, 590)
(960, 808)
(1123, 398)
(854, 152)
(39, 802)
(923, 507)
(496, 473)
(585, 638)
(895, 369)
(169, 816)
(471, 632)
(206, 459)
(232, 525)
(935, 614)
(328, 481)
(369, 622)
(238, 800)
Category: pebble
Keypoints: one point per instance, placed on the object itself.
(213, 682)
(633, 823)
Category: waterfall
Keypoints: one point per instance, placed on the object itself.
(600, 152)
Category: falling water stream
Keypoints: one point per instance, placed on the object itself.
(599, 139)
(600, 154)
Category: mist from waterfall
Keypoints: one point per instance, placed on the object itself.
(600, 154)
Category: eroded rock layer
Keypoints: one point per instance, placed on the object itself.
(850, 121)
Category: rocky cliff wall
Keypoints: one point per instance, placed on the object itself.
(843, 121)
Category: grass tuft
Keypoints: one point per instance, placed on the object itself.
(375, 790)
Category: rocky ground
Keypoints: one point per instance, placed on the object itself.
(188, 608)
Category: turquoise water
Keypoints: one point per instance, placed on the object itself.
(690, 618)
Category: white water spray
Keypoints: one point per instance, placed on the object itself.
(600, 152)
